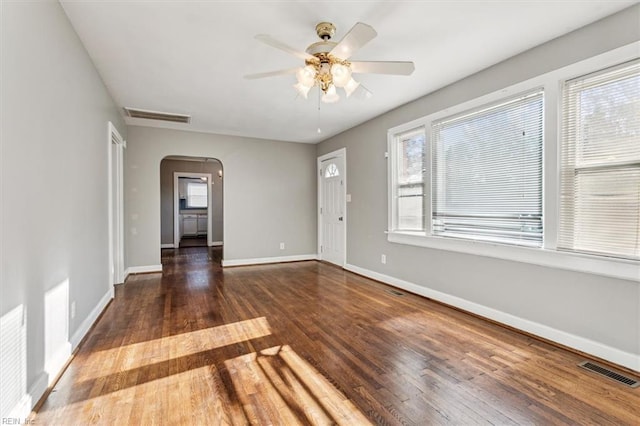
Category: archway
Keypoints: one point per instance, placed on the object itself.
(185, 219)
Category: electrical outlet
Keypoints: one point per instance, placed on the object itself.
(383, 258)
(73, 309)
(281, 246)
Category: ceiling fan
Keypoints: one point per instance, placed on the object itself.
(327, 65)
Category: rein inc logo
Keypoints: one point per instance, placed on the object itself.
(17, 421)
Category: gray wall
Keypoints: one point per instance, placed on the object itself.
(269, 193)
(604, 310)
(167, 168)
(54, 224)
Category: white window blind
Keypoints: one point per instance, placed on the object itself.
(409, 179)
(196, 194)
(487, 172)
(600, 165)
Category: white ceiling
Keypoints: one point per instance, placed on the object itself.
(189, 57)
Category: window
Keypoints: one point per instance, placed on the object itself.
(196, 195)
(410, 148)
(331, 171)
(487, 173)
(546, 171)
(600, 163)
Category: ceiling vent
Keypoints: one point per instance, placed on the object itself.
(156, 115)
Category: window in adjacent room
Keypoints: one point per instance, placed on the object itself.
(487, 172)
(196, 195)
(600, 163)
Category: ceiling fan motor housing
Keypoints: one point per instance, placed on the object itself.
(325, 30)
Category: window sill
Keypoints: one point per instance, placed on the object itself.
(598, 265)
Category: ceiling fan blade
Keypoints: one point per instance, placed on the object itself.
(270, 74)
(357, 37)
(267, 39)
(383, 67)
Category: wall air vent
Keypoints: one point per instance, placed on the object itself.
(156, 115)
(603, 371)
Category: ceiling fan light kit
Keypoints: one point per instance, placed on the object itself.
(326, 64)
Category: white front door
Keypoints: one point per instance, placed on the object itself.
(332, 200)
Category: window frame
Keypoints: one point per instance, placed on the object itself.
(426, 207)
(547, 255)
(574, 148)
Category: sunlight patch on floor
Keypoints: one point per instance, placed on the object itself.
(114, 360)
(174, 399)
(277, 385)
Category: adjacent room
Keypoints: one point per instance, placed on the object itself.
(294, 212)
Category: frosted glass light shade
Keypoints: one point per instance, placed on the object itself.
(306, 76)
(330, 96)
(341, 74)
(302, 89)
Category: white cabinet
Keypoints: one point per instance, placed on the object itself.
(193, 224)
(202, 224)
(189, 224)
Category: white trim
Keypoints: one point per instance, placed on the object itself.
(88, 322)
(547, 255)
(176, 205)
(116, 236)
(342, 152)
(264, 260)
(217, 243)
(142, 269)
(598, 265)
(582, 344)
(23, 408)
(170, 245)
(56, 362)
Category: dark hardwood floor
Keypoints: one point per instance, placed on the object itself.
(308, 343)
(200, 241)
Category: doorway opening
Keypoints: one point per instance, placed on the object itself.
(191, 202)
(116, 211)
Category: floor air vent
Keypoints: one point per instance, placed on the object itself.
(620, 378)
(395, 292)
(156, 115)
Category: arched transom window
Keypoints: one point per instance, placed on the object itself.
(331, 171)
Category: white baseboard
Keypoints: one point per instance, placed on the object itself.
(582, 344)
(141, 270)
(88, 322)
(216, 243)
(263, 260)
(22, 410)
(55, 364)
(169, 245)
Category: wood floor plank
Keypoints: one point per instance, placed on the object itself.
(309, 343)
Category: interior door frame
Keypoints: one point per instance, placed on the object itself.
(116, 196)
(342, 153)
(176, 205)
